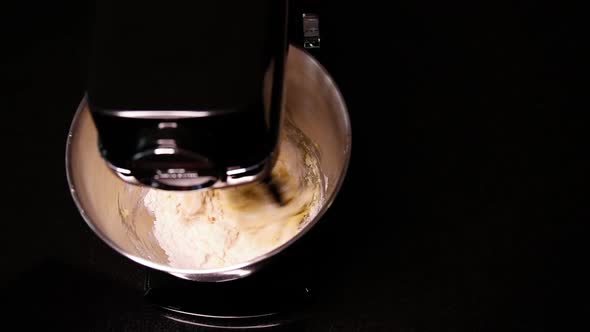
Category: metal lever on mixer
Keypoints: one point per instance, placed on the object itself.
(311, 31)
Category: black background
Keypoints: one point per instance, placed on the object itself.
(464, 207)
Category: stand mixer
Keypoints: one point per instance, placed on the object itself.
(194, 98)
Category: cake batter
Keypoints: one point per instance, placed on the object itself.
(214, 228)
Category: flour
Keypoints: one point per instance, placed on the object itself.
(222, 227)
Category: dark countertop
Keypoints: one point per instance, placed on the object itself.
(481, 226)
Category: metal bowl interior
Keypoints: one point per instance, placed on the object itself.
(312, 102)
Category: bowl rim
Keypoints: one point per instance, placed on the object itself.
(236, 269)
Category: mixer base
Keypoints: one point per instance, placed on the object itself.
(259, 301)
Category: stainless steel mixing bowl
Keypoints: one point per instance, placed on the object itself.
(114, 209)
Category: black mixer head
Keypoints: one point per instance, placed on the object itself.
(177, 91)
